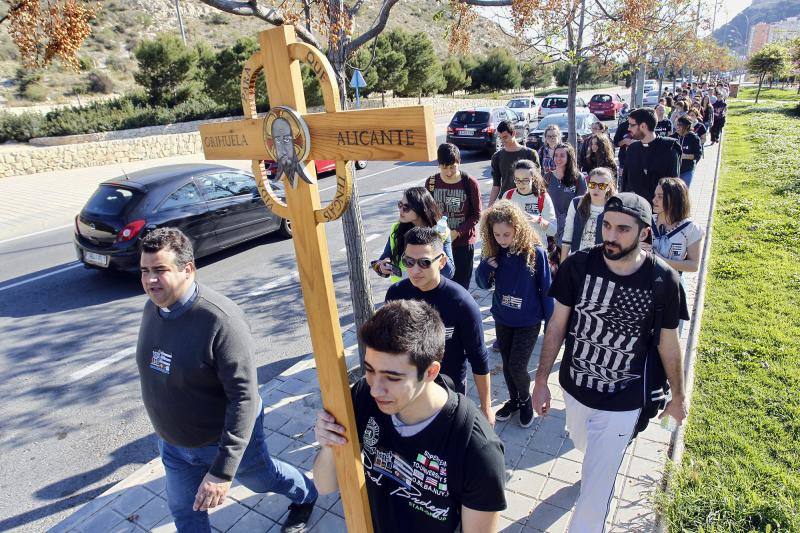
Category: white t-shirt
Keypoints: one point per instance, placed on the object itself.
(589, 229)
(530, 205)
(674, 244)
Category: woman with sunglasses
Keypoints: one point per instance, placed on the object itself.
(417, 208)
(676, 238)
(583, 226)
(515, 263)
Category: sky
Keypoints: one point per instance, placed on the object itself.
(727, 10)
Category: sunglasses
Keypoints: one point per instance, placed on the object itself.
(423, 262)
(598, 185)
(405, 208)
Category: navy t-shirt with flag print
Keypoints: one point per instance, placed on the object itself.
(610, 329)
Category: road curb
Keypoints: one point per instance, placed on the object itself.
(677, 445)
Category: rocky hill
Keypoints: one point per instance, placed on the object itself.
(121, 24)
(734, 33)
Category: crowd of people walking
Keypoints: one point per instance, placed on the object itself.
(586, 246)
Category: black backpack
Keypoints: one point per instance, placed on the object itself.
(655, 384)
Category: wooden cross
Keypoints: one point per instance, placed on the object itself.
(292, 137)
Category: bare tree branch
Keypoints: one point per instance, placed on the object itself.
(250, 8)
(606, 13)
(377, 27)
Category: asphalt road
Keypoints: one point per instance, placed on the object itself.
(71, 421)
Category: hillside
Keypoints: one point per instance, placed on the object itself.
(121, 24)
(734, 33)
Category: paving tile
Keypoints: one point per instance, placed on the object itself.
(546, 441)
(226, 515)
(569, 451)
(560, 494)
(636, 490)
(131, 500)
(535, 461)
(513, 433)
(330, 523)
(295, 428)
(653, 451)
(634, 517)
(526, 483)
(244, 495)
(276, 443)
(152, 513)
(157, 485)
(643, 469)
(252, 522)
(166, 525)
(505, 525)
(275, 420)
(546, 517)
(105, 520)
(273, 506)
(518, 507)
(566, 470)
(298, 454)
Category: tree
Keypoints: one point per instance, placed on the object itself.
(221, 73)
(166, 68)
(390, 66)
(794, 57)
(455, 77)
(772, 59)
(363, 61)
(536, 73)
(423, 67)
(499, 70)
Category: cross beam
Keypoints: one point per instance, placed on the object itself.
(405, 134)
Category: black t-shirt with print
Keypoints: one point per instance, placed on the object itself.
(409, 478)
(610, 330)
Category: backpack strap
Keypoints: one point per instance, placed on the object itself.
(661, 271)
(460, 434)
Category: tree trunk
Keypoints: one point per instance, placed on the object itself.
(760, 81)
(575, 43)
(353, 228)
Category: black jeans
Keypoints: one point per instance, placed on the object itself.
(516, 346)
(462, 259)
(716, 129)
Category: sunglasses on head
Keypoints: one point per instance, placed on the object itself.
(405, 208)
(598, 185)
(423, 262)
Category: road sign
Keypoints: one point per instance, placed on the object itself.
(660, 72)
(357, 81)
(293, 138)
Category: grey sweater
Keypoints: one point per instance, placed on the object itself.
(198, 377)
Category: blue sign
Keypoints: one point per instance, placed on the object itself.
(357, 81)
(661, 73)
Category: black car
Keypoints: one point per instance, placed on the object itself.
(215, 206)
(476, 129)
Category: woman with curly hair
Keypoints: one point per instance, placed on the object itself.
(601, 154)
(417, 208)
(516, 264)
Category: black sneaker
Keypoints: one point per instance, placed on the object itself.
(526, 413)
(507, 411)
(299, 513)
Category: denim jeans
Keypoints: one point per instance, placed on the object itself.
(687, 177)
(186, 467)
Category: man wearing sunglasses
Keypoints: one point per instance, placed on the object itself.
(423, 259)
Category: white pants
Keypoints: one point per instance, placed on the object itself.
(602, 436)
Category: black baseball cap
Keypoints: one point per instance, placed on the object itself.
(631, 204)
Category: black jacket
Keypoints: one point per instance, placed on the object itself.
(646, 164)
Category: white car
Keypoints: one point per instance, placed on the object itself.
(650, 85)
(651, 98)
(526, 105)
(557, 103)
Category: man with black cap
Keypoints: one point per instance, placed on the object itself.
(610, 301)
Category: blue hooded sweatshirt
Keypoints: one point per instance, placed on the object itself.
(520, 296)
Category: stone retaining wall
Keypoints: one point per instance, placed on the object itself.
(78, 151)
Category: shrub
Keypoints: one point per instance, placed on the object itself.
(166, 65)
(20, 127)
(35, 93)
(99, 82)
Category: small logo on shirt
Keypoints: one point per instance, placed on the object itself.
(448, 333)
(511, 301)
(161, 361)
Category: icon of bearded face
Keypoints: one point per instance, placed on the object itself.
(284, 144)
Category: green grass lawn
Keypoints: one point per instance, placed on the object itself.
(749, 93)
(741, 469)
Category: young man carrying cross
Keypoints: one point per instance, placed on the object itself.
(432, 462)
(424, 259)
(609, 302)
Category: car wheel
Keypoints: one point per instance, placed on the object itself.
(360, 165)
(285, 228)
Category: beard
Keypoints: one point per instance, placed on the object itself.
(622, 253)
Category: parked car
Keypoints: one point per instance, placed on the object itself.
(606, 105)
(476, 128)
(583, 127)
(651, 98)
(525, 104)
(215, 206)
(650, 85)
(322, 166)
(557, 103)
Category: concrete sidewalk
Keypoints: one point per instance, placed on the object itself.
(542, 465)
